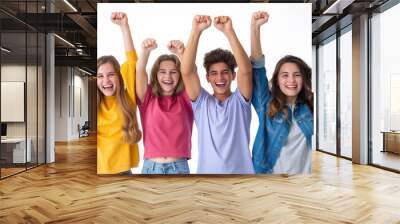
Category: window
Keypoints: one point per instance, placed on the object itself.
(346, 93)
(385, 89)
(327, 96)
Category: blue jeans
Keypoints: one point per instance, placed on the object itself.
(179, 166)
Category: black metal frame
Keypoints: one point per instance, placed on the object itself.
(338, 98)
(44, 75)
(369, 83)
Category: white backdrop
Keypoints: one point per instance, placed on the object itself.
(288, 31)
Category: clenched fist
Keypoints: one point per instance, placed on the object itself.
(176, 47)
(149, 44)
(259, 18)
(119, 18)
(223, 23)
(201, 22)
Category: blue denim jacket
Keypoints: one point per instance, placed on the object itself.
(273, 132)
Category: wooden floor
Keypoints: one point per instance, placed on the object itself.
(69, 191)
(387, 159)
(10, 171)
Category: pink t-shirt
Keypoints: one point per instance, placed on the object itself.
(167, 123)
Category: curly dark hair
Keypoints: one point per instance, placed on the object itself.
(219, 55)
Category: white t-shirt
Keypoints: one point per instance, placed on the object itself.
(295, 157)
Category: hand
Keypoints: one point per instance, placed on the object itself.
(201, 22)
(119, 18)
(149, 44)
(176, 47)
(259, 18)
(223, 23)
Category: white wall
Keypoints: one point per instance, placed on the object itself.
(17, 73)
(61, 83)
(33, 126)
(82, 83)
(69, 82)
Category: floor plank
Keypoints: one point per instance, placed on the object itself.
(69, 191)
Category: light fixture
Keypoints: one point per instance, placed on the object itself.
(5, 50)
(337, 7)
(65, 41)
(84, 71)
(70, 5)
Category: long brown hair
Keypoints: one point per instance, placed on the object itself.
(278, 98)
(130, 127)
(155, 86)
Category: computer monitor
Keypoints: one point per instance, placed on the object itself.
(3, 129)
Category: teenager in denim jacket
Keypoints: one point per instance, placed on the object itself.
(285, 110)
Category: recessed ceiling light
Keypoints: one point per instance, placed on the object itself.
(84, 71)
(5, 50)
(70, 5)
(338, 6)
(64, 40)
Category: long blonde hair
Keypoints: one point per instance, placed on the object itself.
(130, 127)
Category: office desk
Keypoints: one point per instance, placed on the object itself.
(391, 141)
(13, 150)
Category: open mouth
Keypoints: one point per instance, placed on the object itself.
(220, 84)
(167, 82)
(108, 87)
(291, 86)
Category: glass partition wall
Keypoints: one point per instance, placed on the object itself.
(22, 77)
(326, 92)
(345, 63)
(334, 94)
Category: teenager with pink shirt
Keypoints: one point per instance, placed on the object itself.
(166, 111)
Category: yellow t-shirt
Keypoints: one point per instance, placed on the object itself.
(113, 155)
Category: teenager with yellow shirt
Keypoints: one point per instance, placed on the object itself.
(117, 127)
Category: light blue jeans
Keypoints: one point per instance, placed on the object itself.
(179, 166)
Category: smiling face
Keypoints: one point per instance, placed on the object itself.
(168, 77)
(220, 77)
(107, 79)
(290, 81)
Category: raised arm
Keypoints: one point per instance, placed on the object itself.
(128, 67)
(148, 45)
(244, 77)
(261, 93)
(121, 20)
(188, 67)
(257, 20)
